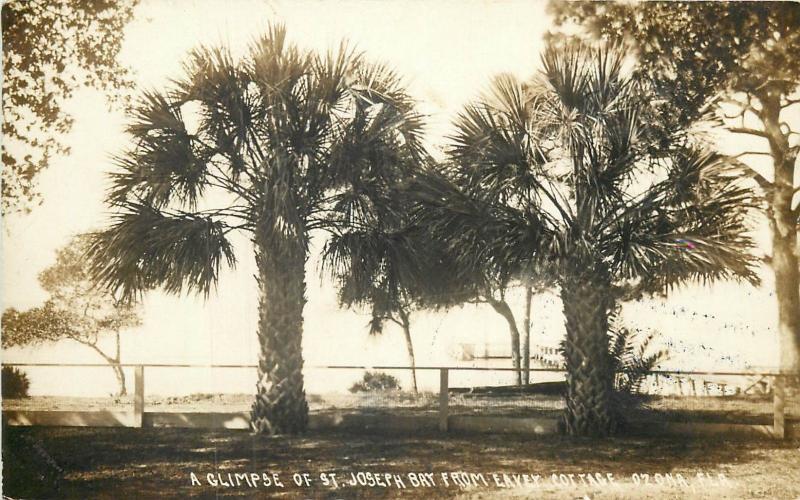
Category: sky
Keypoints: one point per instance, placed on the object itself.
(448, 51)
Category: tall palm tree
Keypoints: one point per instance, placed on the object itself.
(271, 145)
(563, 176)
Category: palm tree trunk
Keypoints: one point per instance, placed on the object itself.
(783, 221)
(406, 322)
(502, 308)
(589, 410)
(526, 337)
(280, 405)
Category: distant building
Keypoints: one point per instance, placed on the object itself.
(498, 354)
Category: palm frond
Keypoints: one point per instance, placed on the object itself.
(481, 234)
(145, 248)
(567, 72)
(167, 164)
(629, 354)
(691, 226)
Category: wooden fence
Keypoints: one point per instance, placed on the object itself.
(140, 417)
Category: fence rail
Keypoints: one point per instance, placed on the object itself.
(396, 367)
(777, 429)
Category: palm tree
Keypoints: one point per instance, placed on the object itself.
(276, 144)
(380, 260)
(563, 177)
(631, 357)
(483, 285)
(372, 269)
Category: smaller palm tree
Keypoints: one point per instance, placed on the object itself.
(381, 261)
(563, 176)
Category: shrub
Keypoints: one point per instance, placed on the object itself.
(15, 383)
(376, 381)
(630, 359)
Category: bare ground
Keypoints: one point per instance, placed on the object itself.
(150, 463)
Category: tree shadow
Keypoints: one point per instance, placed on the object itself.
(62, 462)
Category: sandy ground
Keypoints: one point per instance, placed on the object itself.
(152, 463)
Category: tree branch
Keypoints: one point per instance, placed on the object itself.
(746, 153)
(395, 321)
(749, 131)
(99, 351)
(116, 334)
(760, 179)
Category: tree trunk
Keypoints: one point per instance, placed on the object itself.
(787, 277)
(589, 410)
(526, 337)
(783, 221)
(280, 405)
(502, 308)
(114, 363)
(406, 321)
(123, 391)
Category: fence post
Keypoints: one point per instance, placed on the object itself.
(138, 396)
(444, 399)
(779, 401)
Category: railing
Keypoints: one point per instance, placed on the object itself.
(778, 386)
(137, 419)
(778, 427)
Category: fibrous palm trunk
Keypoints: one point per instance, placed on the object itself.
(589, 408)
(280, 405)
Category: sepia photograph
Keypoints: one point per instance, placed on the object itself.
(466, 249)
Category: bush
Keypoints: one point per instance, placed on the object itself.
(631, 358)
(376, 381)
(15, 383)
(630, 355)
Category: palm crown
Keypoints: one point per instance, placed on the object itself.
(286, 139)
(286, 142)
(567, 165)
(565, 179)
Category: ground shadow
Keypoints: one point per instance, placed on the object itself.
(62, 462)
